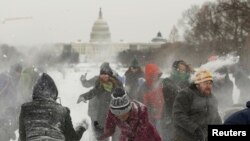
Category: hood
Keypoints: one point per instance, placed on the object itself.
(151, 71)
(45, 88)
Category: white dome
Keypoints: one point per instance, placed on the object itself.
(100, 30)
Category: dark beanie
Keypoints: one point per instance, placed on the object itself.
(134, 63)
(105, 69)
(120, 102)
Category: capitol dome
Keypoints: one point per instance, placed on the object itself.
(100, 30)
(159, 38)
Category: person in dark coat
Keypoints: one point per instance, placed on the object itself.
(100, 97)
(195, 108)
(132, 76)
(241, 117)
(9, 102)
(131, 117)
(44, 118)
(178, 80)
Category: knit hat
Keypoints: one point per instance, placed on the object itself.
(105, 69)
(202, 76)
(134, 63)
(120, 102)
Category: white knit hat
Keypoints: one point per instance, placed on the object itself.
(120, 102)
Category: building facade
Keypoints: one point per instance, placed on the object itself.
(100, 46)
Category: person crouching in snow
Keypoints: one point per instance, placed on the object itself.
(131, 117)
(45, 119)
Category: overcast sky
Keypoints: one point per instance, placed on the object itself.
(71, 20)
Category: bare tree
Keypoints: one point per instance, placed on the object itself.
(174, 35)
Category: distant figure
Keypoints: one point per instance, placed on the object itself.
(195, 108)
(223, 90)
(8, 85)
(131, 117)
(178, 80)
(132, 76)
(44, 119)
(242, 81)
(28, 79)
(9, 102)
(100, 97)
(240, 117)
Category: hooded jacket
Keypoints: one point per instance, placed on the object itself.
(44, 117)
(151, 92)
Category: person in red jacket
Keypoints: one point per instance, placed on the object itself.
(131, 117)
(151, 94)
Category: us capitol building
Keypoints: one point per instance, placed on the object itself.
(101, 47)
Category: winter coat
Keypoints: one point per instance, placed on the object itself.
(132, 82)
(170, 89)
(101, 99)
(240, 117)
(44, 117)
(87, 84)
(136, 128)
(154, 100)
(191, 111)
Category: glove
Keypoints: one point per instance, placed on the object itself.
(199, 135)
(84, 123)
(83, 77)
(81, 98)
